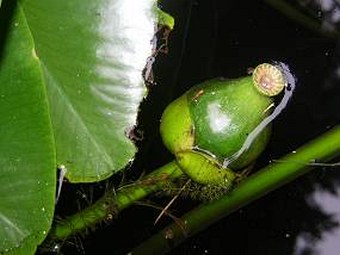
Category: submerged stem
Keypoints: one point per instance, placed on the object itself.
(269, 178)
(305, 20)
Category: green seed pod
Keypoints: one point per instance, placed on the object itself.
(215, 118)
(225, 114)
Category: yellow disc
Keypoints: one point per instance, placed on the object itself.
(268, 79)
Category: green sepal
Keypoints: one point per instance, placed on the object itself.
(176, 126)
(204, 169)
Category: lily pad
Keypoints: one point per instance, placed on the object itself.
(93, 54)
(27, 155)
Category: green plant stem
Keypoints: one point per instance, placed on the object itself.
(259, 184)
(111, 204)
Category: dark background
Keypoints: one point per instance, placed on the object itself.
(224, 38)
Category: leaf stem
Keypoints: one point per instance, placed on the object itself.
(273, 176)
(111, 204)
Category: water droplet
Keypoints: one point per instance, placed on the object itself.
(43, 209)
(319, 14)
(56, 248)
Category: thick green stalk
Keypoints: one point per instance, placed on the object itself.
(269, 178)
(111, 204)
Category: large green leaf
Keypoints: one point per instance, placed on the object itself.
(27, 156)
(93, 54)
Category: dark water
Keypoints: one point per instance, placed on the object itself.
(233, 37)
(223, 38)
